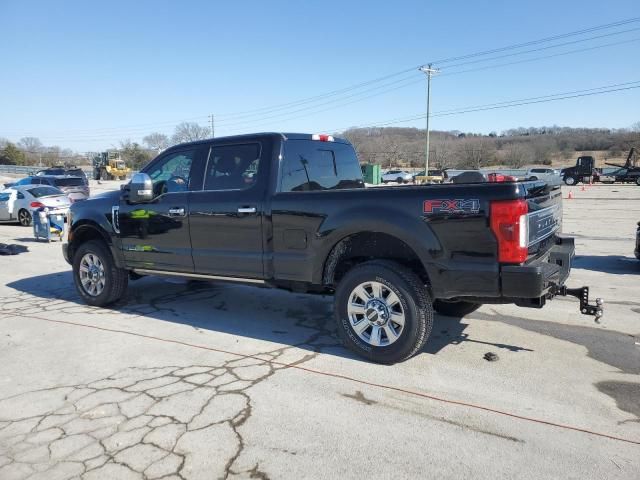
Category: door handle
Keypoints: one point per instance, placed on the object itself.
(176, 212)
(246, 209)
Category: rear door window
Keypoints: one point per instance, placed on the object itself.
(311, 165)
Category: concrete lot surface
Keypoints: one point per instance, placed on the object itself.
(198, 381)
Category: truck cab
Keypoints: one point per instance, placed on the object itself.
(582, 171)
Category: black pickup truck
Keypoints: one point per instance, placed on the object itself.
(291, 211)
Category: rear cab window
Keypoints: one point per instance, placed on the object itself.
(310, 165)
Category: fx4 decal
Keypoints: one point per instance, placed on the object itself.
(459, 205)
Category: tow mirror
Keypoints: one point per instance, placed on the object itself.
(140, 188)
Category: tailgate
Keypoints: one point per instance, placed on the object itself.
(544, 219)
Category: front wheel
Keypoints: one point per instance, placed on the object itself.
(570, 180)
(383, 311)
(455, 309)
(97, 278)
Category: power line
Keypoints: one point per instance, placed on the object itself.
(564, 44)
(541, 40)
(544, 57)
(500, 105)
(312, 99)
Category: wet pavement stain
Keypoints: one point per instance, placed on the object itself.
(613, 348)
(626, 395)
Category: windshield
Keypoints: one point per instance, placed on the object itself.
(69, 182)
(40, 192)
(120, 165)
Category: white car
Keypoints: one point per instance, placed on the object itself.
(397, 176)
(17, 203)
(541, 174)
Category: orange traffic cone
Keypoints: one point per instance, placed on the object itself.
(570, 194)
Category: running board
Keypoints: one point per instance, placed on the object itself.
(166, 273)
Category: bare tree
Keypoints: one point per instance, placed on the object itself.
(189, 132)
(442, 152)
(156, 141)
(475, 153)
(517, 154)
(30, 144)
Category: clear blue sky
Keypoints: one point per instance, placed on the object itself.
(85, 75)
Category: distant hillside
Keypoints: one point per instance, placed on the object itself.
(404, 147)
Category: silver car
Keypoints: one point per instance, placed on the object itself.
(18, 203)
(398, 176)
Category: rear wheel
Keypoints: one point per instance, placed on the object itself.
(399, 180)
(383, 311)
(570, 180)
(97, 278)
(533, 178)
(24, 217)
(455, 309)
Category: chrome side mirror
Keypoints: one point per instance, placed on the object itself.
(140, 188)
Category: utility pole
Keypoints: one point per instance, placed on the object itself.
(213, 131)
(429, 72)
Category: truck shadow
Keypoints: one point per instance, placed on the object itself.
(617, 264)
(450, 331)
(300, 320)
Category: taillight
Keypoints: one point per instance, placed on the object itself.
(509, 225)
(37, 204)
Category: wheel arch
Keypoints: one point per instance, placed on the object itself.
(88, 230)
(367, 245)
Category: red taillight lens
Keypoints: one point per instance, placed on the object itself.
(36, 204)
(509, 225)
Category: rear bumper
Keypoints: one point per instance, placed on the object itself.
(537, 278)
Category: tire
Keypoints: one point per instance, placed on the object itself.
(122, 177)
(24, 217)
(114, 279)
(638, 181)
(570, 181)
(399, 180)
(533, 178)
(392, 341)
(455, 309)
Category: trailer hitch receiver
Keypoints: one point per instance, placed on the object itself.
(583, 295)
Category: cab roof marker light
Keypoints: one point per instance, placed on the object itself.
(322, 137)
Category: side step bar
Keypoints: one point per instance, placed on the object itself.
(165, 273)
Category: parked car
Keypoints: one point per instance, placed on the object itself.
(398, 176)
(305, 222)
(18, 202)
(434, 176)
(76, 188)
(58, 171)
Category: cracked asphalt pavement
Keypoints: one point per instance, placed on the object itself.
(187, 380)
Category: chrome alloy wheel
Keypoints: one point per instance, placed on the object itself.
(24, 217)
(375, 314)
(92, 274)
